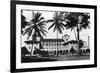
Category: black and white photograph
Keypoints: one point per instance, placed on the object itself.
(50, 36)
(54, 36)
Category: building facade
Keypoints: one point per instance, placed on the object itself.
(56, 44)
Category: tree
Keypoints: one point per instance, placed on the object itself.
(57, 24)
(77, 21)
(23, 22)
(24, 51)
(36, 28)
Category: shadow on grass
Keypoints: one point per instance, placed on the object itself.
(36, 59)
(26, 59)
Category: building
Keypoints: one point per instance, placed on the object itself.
(66, 37)
(56, 44)
(52, 44)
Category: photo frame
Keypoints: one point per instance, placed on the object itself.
(61, 48)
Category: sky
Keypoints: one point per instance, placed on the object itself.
(53, 35)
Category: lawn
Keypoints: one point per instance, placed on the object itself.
(27, 59)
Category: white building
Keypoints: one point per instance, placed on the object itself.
(56, 44)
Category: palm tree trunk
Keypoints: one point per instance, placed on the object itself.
(31, 50)
(78, 40)
(75, 34)
(88, 42)
(57, 42)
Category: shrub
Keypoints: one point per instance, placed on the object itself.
(24, 51)
(87, 50)
(72, 50)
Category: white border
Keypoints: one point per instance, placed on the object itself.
(20, 65)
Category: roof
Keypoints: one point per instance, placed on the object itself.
(70, 42)
(74, 42)
(44, 40)
(52, 40)
(31, 42)
(66, 35)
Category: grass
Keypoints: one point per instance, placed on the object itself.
(26, 59)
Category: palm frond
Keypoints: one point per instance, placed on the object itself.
(51, 26)
(37, 16)
(42, 18)
(42, 31)
(62, 25)
(59, 29)
(42, 27)
(37, 31)
(29, 33)
(55, 28)
(50, 20)
(27, 30)
(42, 23)
(34, 36)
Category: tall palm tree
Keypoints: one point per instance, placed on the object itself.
(57, 23)
(36, 28)
(77, 20)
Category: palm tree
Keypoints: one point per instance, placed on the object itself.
(77, 20)
(23, 22)
(57, 23)
(36, 28)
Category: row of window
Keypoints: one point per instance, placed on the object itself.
(56, 48)
(52, 43)
(74, 46)
(60, 47)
